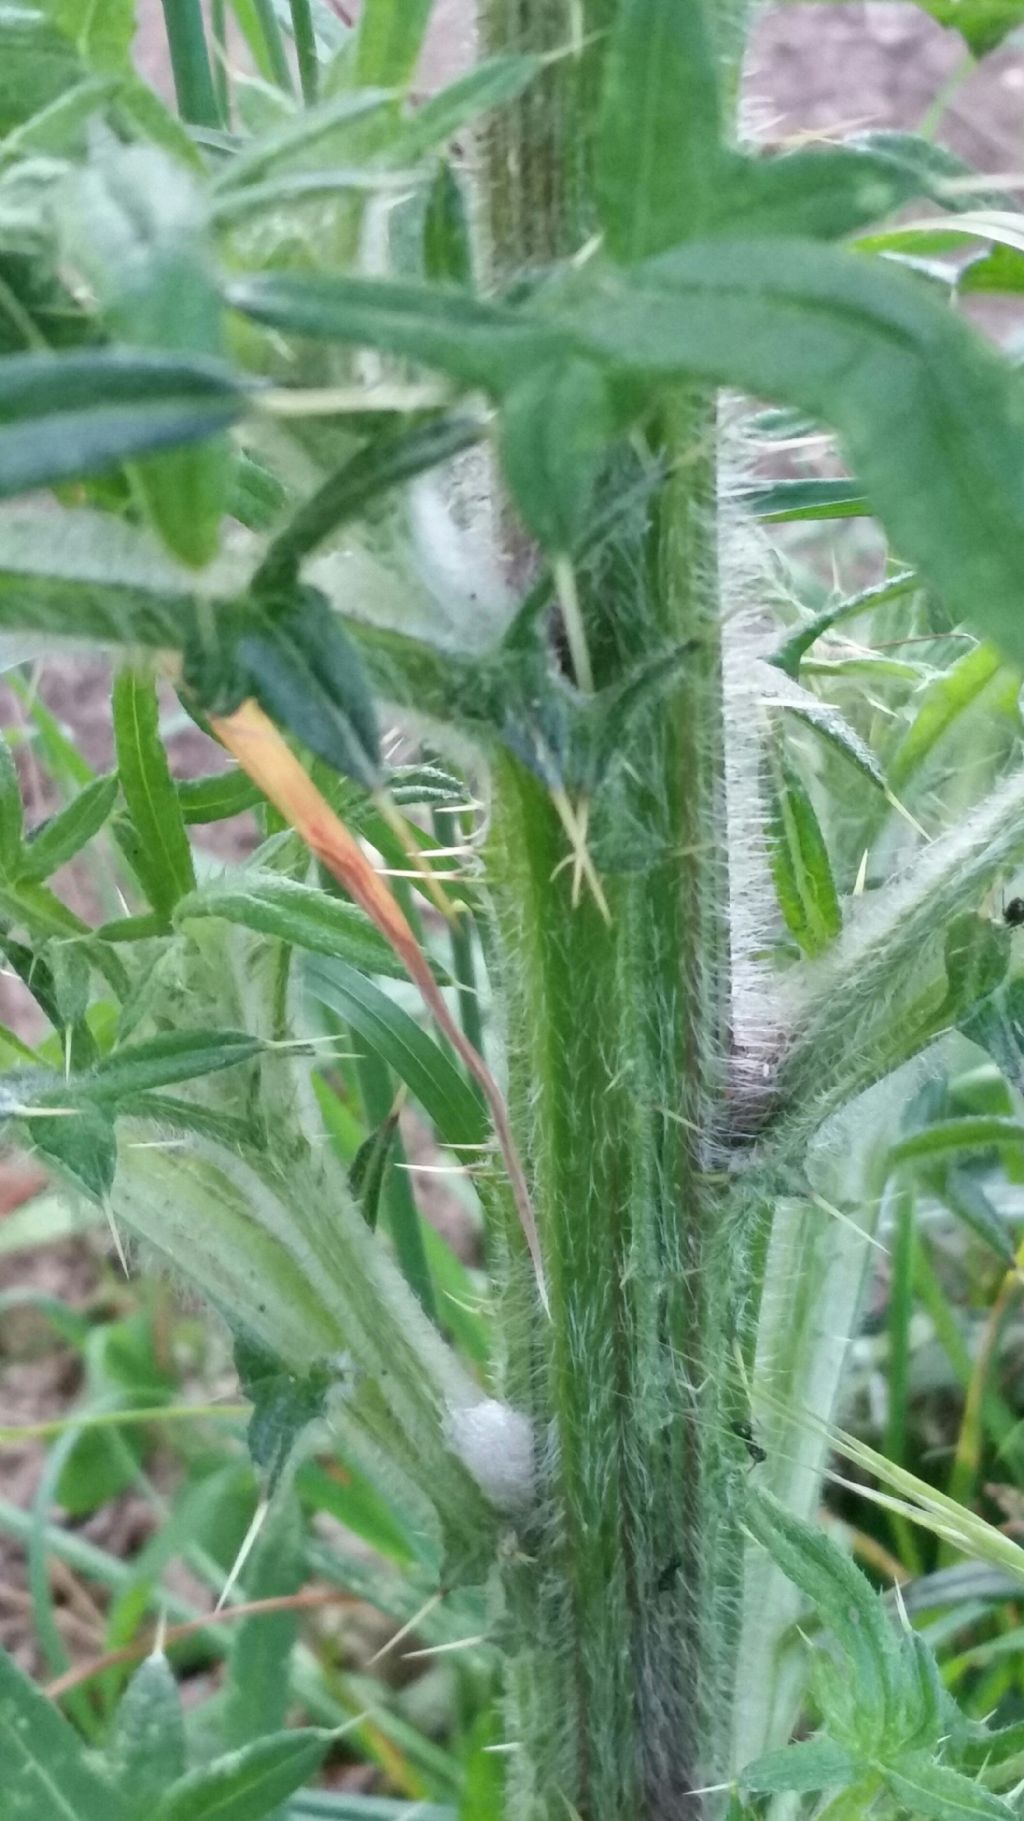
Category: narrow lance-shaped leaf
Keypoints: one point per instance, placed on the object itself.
(300, 664)
(64, 835)
(812, 1765)
(949, 696)
(789, 654)
(369, 1168)
(163, 858)
(82, 1147)
(258, 1689)
(494, 83)
(798, 857)
(298, 914)
(64, 416)
(297, 143)
(147, 1748)
(247, 1784)
(11, 814)
(447, 248)
(949, 1137)
(386, 462)
(389, 42)
(976, 954)
(658, 145)
(214, 799)
(414, 1056)
(105, 581)
(44, 1759)
(484, 345)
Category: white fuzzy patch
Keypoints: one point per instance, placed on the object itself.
(495, 1443)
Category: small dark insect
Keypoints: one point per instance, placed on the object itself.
(754, 1448)
(1014, 913)
(668, 1574)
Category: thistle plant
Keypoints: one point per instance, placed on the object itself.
(443, 411)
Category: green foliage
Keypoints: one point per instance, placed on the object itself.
(261, 356)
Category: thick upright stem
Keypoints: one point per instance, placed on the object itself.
(622, 1591)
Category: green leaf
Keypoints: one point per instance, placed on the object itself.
(63, 416)
(247, 1784)
(389, 41)
(36, 909)
(845, 1601)
(306, 140)
(340, 1807)
(983, 24)
(369, 1168)
(950, 1137)
(976, 953)
(494, 83)
(216, 798)
(12, 819)
(798, 857)
(258, 1691)
(38, 65)
(82, 1147)
(387, 461)
(1000, 269)
(936, 1793)
(133, 226)
(106, 581)
(295, 913)
(304, 669)
(284, 1405)
(949, 696)
(48, 1773)
(59, 839)
(965, 1198)
(447, 247)
(484, 345)
(416, 1059)
(555, 428)
(813, 1765)
(784, 502)
(658, 144)
(147, 1748)
(787, 657)
(862, 347)
(163, 858)
(822, 193)
(182, 1055)
(835, 728)
(102, 32)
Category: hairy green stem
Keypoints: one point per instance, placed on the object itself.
(624, 1591)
